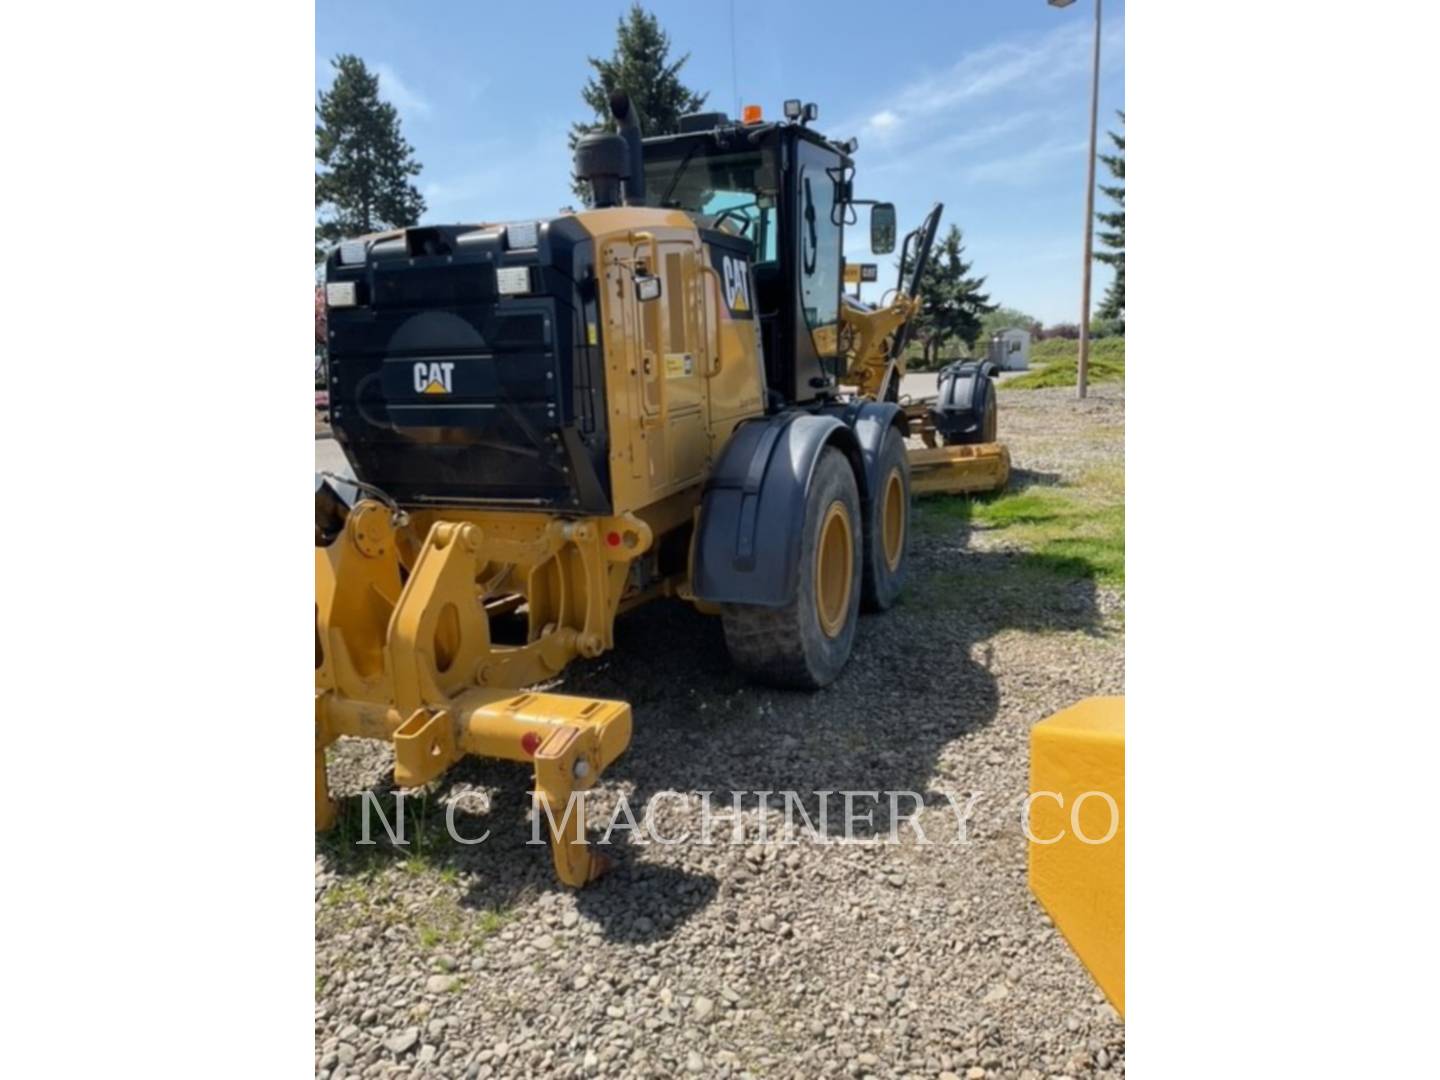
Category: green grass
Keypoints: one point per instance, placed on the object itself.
(426, 842)
(432, 936)
(354, 891)
(418, 865)
(488, 922)
(1059, 358)
(445, 922)
(1065, 532)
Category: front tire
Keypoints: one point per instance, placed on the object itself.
(805, 644)
(887, 527)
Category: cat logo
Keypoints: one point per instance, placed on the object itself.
(434, 376)
(736, 276)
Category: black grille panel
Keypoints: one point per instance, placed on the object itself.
(434, 286)
(442, 390)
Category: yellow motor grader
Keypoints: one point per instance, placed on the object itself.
(550, 422)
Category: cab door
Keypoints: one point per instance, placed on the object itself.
(659, 442)
(624, 357)
(680, 374)
(815, 260)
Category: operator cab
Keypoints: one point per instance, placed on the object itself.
(784, 190)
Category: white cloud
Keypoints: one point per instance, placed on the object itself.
(394, 90)
(1030, 68)
(882, 121)
(1024, 167)
(934, 152)
(977, 136)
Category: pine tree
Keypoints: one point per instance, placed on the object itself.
(640, 65)
(951, 303)
(1113, 237)
(365, 165)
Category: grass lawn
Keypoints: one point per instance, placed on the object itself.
(1065, 532)
(1059, 357)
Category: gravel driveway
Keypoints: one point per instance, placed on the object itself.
(803, 960)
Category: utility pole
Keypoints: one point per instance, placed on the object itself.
(1082, 367)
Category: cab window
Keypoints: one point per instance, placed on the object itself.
(819, 242)
(736, 192)
(747, 215)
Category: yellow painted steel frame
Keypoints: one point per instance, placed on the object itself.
(936, 470)
(868, 364)
(959, 470)
(404, 650)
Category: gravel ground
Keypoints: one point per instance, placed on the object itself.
(802, 960)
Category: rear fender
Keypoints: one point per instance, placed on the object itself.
(747, 544)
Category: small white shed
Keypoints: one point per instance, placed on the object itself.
(1010, 349)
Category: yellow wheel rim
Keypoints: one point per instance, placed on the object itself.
(892, 519)
(834, 569)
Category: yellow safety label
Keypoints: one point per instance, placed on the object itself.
(679, 365)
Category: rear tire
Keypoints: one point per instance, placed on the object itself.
(805, 644)
(887, 527)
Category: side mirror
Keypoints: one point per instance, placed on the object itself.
(647, 288)
(882, 228)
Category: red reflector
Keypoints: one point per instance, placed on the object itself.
(613, 539)
(530, 742)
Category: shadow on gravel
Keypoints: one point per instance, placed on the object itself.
(634, 902)
(639, 902)
(1021, 479)
(918, 680)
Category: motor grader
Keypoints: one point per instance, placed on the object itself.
(551, 422)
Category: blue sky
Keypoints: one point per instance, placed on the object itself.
(981, 104)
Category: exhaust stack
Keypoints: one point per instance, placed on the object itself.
(628, 122)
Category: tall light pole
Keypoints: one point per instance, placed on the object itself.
(1082, 368)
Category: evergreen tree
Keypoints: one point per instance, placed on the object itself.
(364, 164)
(641, 66)
(1113, 236)
(951, 303)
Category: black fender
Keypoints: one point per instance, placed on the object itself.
(747, 541)
(964, 388)
(870, 420)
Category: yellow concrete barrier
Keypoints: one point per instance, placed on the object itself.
(1077, 833)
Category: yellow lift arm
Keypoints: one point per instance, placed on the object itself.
(874, 365)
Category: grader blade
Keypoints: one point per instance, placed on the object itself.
(959, 470)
